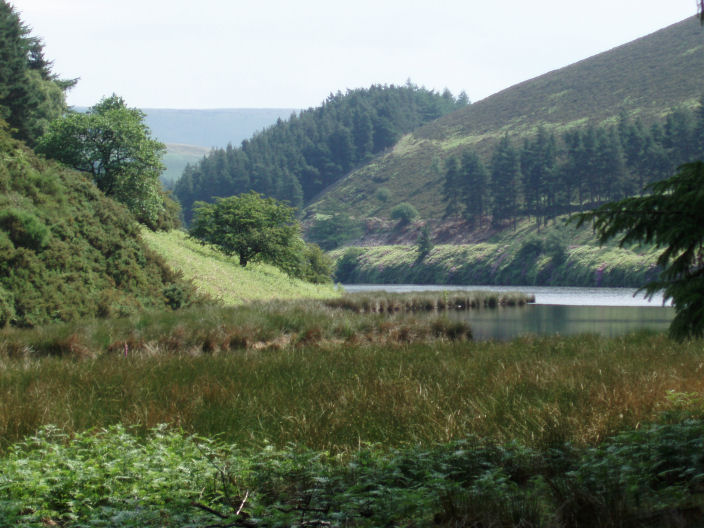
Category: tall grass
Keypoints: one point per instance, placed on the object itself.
(382, 302)
(334, 394)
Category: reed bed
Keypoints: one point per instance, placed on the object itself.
(430, 301)
(215, 329)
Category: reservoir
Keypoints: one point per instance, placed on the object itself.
(557, 310)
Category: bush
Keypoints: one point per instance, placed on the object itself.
(335, 231)
(404, 213)
(317, 266)
(24, 229)
(383, 194)
(347, 264)
(7, 307)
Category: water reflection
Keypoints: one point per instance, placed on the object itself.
(507, 323)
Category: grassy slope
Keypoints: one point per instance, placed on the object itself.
(558, 255)
(223, 278)
(644, 78)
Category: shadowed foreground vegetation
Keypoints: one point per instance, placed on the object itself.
(648, 477)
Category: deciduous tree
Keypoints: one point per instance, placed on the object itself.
(252, 227)
(112, 143)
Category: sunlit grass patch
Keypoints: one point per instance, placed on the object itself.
(223, 278)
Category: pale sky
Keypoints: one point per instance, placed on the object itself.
(293, 54)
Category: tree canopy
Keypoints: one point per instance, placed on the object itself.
(671, 217)
(250, 226)
(112, 143)
(256, 228)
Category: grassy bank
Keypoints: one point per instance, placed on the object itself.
(499, 264)
(223, 278)
(559, 254)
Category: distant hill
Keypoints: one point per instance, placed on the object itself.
(211, 128)
(177, 157)
(190, 134)
(643, 79)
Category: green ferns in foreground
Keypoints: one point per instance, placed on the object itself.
(653, 476)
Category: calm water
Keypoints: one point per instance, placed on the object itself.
(557, 310)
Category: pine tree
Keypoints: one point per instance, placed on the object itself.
(31, 96)
(538, 168)
(424, 245)
(474, 190)
(505, 178)
(452, 187)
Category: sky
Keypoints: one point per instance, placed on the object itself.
(293, 54)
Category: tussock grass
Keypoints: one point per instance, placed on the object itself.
(332, 379)
(223, 278)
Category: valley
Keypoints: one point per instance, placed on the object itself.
(190, 358)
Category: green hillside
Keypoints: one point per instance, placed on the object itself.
(67, 251)
(296, 159)
(644, 80)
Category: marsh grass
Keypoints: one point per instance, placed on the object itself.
(297, 414)
(217, 329)
(332, 379)
(382, 302)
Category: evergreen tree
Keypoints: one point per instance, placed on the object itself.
(611, 166)
(538, 169)
(680, 136)
(505, 178)
(424, 245)
(474, 190)
(452, 187)
(31, 96)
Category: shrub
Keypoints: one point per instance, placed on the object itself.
(383, 194)
(404, 213)
(317, 266)
(7, 307)
(347, 264)
(24, 229)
